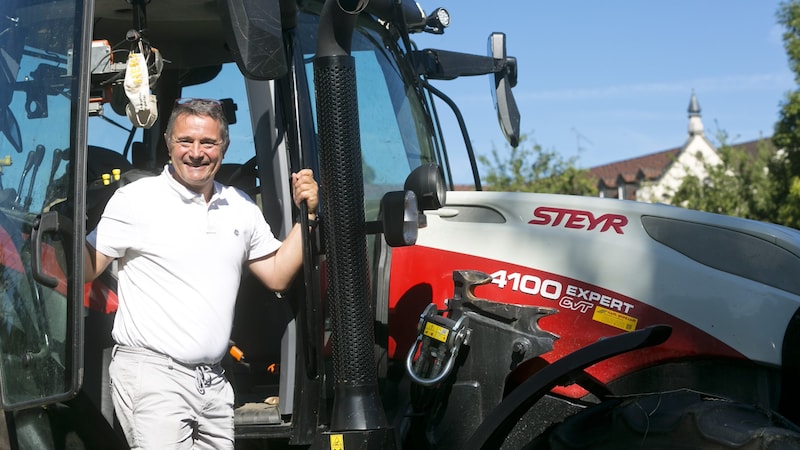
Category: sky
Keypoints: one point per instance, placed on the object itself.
(604, 81)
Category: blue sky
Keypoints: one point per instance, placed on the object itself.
(610, 80)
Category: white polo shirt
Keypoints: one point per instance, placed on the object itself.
(180, 264)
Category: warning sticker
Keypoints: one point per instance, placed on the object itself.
(436, 332)
(337, 442)
(614, 318)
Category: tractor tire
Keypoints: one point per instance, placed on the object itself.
(672, 420)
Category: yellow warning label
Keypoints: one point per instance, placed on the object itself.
(615, 319)
(337, 442)
(436, 332)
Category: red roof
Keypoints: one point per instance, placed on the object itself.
(652, 166)
(647, 167)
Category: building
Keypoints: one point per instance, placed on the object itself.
(656, 176)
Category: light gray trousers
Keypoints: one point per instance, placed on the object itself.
(162, 404)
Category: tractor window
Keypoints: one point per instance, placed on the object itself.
(113, 138)
(37, 119)
(392, 122)
(111, 130)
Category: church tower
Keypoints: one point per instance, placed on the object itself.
(695, 123)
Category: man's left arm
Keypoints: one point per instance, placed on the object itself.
(278, 269)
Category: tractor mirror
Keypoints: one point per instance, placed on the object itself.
(504, 80)
(253, 30)
(400, 217)
(428, 185)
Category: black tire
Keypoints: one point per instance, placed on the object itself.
(672, 420)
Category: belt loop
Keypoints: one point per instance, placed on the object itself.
(169, 363)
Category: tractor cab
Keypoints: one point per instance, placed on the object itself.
(86, 89)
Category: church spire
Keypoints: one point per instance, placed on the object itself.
(695, 123)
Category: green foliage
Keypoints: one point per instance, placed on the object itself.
(740, 185)
(789, 211)
(786, 170)
(789, 16)
(533, 169)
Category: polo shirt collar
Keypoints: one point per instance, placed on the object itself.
(186, 194)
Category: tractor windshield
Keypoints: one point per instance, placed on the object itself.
(37, 83)
(396, 134)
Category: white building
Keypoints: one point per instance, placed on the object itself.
(656, 176)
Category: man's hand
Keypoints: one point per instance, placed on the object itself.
(305, 188)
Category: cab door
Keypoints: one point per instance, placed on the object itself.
(43, 109)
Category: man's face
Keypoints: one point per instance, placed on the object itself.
(196, 151)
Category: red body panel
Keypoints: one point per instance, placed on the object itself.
(585, 313)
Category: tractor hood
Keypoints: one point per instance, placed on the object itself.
(635, 263)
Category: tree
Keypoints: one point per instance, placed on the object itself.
(785, 171)
(739, 185)
(787, 192)
(534, 169)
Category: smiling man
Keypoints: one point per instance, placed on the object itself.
(181, 240)
(196, 142)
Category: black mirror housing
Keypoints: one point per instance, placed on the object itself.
(254, 33)
(400, 218)
(428, 185)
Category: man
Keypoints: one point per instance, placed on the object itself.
(181, 240)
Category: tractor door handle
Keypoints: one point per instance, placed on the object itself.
(46, 222)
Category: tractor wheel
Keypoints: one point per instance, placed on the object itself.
(672, 420)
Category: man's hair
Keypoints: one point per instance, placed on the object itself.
(200, 107)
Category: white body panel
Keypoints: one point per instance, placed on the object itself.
(747, 315)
